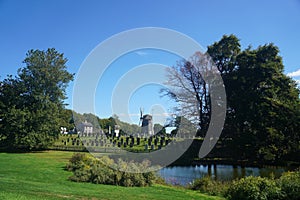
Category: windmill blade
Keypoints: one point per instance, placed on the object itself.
(141, 117)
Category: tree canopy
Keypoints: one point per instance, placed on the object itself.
(263, 103)
(31, 103)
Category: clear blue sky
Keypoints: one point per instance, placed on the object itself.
(76, 27)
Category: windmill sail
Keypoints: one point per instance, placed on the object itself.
(141, 117)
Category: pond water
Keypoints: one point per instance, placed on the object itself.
(184, 175)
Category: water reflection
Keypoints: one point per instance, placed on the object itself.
(184, 175)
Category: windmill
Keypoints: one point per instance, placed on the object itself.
(146, 123)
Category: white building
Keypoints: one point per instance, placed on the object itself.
(85, 127)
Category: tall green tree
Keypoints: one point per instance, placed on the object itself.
(264, 100)
(262, 121)
(32, 102)
(224, 53)
(263, 103)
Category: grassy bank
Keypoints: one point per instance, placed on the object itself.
(42, 176)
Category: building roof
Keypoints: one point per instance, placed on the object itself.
(87, 124)
(148, 117)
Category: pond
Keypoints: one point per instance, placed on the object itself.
(179, 175)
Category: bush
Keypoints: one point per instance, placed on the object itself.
(75, 162)
(289, 183)
(253, 188)
(209, 186)
(86, 168)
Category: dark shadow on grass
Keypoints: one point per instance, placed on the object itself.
(9, 149)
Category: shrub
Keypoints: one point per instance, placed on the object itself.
(289, 183)
(253, 188)
(209, 186)
(161, 181)
(75, 162)
(86, 168)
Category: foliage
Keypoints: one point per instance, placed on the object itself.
(105, 123)
(267, 104)
(184, 128)
(125, 128)
(263, 106)
(76, 161)
(209, 186)
(89, 117)
(224, 53)
(289, 183)
(31, 104)
(67, 120)
(89, 169)
(253, 188)
(159, 130)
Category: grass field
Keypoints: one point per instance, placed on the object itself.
(42, 176)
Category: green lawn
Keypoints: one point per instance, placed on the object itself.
(42, 176)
